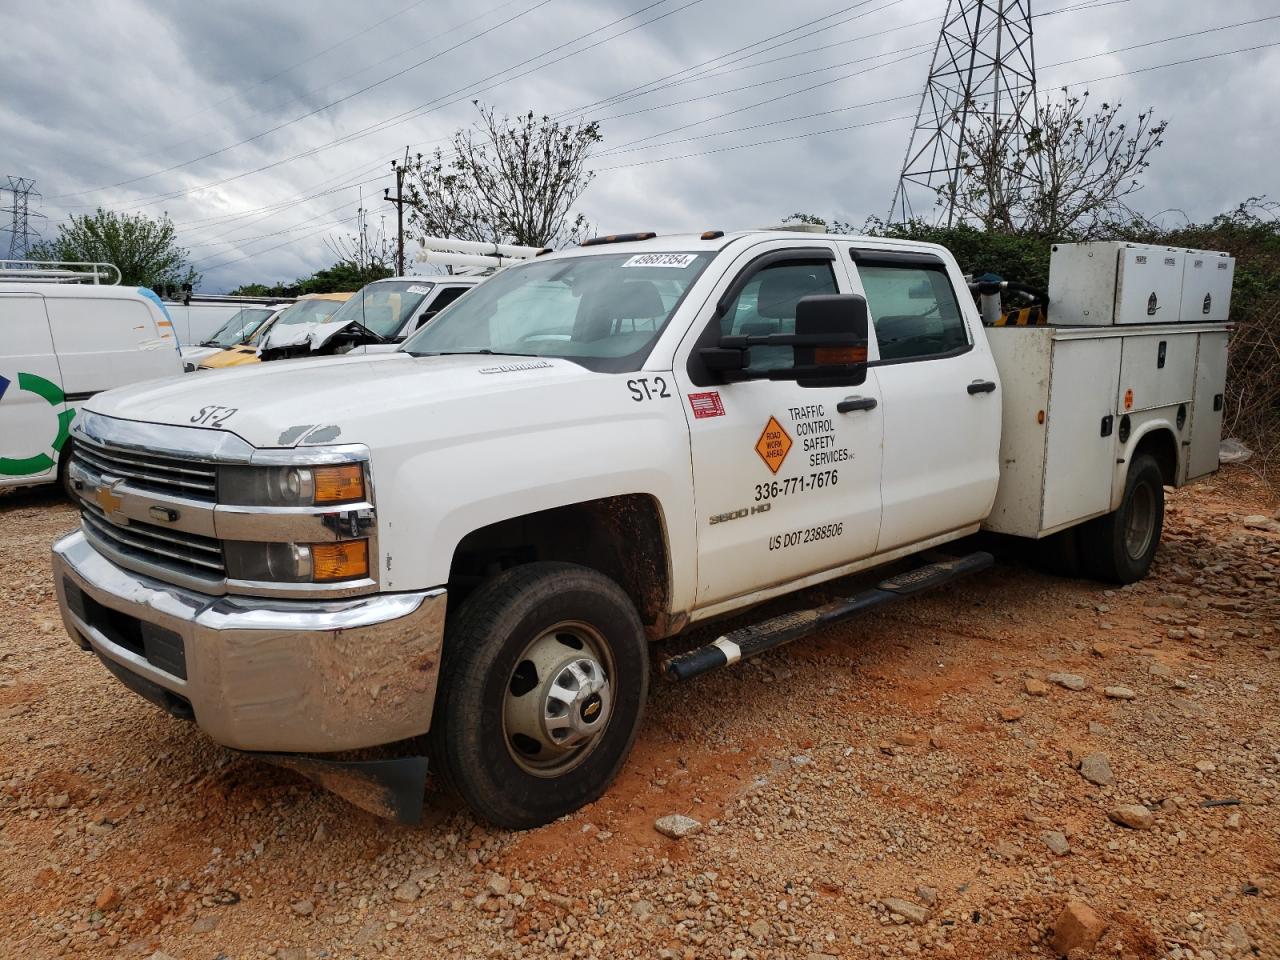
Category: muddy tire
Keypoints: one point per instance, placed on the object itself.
(542, 688)
(1119, 547)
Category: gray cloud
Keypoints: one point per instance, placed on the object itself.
(95, 99)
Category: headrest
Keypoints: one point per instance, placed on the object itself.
(781, 289)
(627, 300)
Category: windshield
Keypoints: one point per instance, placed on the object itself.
(239, 328)
(308, 311)
(384, 306)
(604, 311)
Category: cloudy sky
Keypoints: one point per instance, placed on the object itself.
(256, 124)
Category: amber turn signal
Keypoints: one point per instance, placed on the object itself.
(829, 356)
(340, 484)
(345, 560)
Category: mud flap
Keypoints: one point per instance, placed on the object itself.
(391, 789)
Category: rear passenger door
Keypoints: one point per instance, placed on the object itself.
(34, 417)
(940, 391)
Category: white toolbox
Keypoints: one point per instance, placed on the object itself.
(1110, 283)
(1206, 286)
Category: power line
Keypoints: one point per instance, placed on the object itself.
(315, 56)
(422, 108)
(831, 130)
(258, 253)
(320, 109)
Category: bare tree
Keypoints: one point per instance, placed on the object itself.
(505, 181)
(1072, 179)
(368, 255)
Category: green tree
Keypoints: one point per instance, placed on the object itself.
(145, 249)
(508, 181)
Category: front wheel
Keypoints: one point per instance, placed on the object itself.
(542, 688)
(1119, 547)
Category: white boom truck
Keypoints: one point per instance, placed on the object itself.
(470, 544)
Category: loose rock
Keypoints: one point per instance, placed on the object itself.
(1078, 927)
(677, 826)
(1068, 681)
(1056, 841)
(1132, 815)
(913, 912)
(1119, 693)
(1096, 768)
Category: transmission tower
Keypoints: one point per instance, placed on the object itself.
(21, 236)
(983, 75)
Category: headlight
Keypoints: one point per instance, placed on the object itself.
(298, 562)
(292, 486)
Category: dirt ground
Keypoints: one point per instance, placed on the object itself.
(929, 753)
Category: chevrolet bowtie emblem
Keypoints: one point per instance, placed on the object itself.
(591, 710)
(109, 500)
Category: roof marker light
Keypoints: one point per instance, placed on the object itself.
(617, 238)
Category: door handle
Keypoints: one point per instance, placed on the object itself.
(981, 386)
(849, 404)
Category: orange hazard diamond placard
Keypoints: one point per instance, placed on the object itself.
(773, 444)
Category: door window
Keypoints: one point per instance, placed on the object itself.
(913, 311)
(442, 300)
(767, 305)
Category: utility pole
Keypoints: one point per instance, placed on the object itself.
(398, 168)
(984, 65)
(21, 236)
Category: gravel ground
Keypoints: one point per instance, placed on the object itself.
(941, 779)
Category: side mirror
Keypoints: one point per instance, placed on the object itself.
(831, 335)
(829, 344)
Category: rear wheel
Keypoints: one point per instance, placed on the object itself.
(1119, 547)
(543, 685)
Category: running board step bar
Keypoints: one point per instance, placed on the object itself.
(755, 639)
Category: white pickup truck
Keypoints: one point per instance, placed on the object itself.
(466, 547)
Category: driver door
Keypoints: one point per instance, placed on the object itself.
(786, 478)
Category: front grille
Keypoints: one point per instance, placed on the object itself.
(185, 553)
(149, 471)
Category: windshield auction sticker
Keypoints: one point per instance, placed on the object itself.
(418, 288)
(680, 260)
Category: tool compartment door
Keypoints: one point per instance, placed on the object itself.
(1081, 445)
(1206, 406)
(1157, 370)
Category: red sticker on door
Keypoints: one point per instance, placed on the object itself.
(706, 405)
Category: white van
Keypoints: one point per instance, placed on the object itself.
(60, 343)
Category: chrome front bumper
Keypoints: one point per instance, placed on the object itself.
(260, 674)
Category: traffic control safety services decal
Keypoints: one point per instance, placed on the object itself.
(774, 445)
(52, 394)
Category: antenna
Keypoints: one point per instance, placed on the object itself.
(21, 236)
(984, 68)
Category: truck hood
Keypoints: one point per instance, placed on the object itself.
(292, 402)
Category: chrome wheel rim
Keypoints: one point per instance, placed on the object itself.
(558, 699)
(1141, 521)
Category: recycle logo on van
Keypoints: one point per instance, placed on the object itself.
(52, 393)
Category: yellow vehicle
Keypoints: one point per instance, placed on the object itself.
(310, 308)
